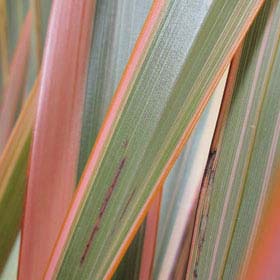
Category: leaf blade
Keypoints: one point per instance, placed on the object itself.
(236, 198)
(110, 154)
(55, 144)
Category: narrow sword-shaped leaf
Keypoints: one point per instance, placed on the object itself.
(180, 195)
(116, 27)
(182, 188)
(265, 153)
(151, 116)
(13, 180)
(247, 156)
(198, 224)
(13, 172)
(15, 84)
(54, 154)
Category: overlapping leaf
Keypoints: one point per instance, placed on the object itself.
(156, 105)
(116, 27)
(13, 163)
(248, 154)
(182, 188)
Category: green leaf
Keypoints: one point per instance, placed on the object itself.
(129, 267)
(167, 83)
(248, 154)
(116, 27)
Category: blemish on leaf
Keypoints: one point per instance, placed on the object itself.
(126, 205)
(102, 209)
(195, 274)
(206, 184)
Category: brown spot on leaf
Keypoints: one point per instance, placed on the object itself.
(102, 209)
(126, 205)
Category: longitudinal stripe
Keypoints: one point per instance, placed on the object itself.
(102, 210)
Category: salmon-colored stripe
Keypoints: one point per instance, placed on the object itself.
(55, 148)
(150, 238)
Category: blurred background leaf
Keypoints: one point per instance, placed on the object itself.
(16, 25)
